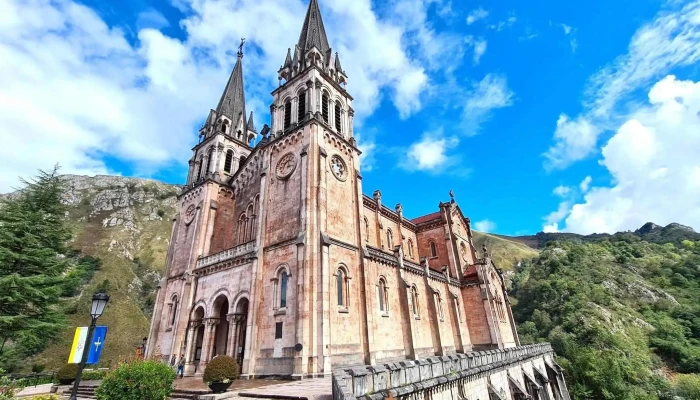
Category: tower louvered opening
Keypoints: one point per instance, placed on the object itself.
(287, 115)
(324, 107)
(302, 107)
(337, 118)
(229, 161)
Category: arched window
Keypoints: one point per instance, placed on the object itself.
(301, 108)
(284, 277)
(433, 249)
(228, 163)
(199, 169)
(366, 230)
(251, 226)
(224, 126)
(324, 107)
(287, 114)
(389, 239)
(414, 301)
(337, 117)
(410, 248)
(241, 162)
(342, 287)
(241, 228)
(383, 296)
(173, 310)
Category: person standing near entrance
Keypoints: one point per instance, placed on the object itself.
(181, 366)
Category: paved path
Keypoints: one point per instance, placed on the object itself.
(307, 389)
(34, 390)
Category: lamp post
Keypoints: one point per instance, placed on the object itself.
(99, 302)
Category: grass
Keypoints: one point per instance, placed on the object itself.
(504, 253)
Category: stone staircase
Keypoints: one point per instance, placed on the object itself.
(88, 393)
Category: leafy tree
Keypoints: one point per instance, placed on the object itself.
(33, 236)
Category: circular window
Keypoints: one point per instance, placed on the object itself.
(189, 213)
(285, 166)
(340, 170)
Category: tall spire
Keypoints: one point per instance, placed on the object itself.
(313, 33)
(232, 103)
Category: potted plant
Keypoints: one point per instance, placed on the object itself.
(220, 373)
(66, 375)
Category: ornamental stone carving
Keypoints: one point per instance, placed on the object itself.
(189, 213)
(286, 166)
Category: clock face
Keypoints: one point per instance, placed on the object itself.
(189, 214)
(286, 165)
(338, 168)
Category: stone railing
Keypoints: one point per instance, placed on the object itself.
(226, 254)
(409, 378)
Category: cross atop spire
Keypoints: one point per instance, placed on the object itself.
(232, 103)
(313, 33)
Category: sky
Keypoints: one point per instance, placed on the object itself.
(540, 115)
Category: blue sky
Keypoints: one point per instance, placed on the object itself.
(562, 116)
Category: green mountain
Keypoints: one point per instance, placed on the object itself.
(126, 223)
(622, 313)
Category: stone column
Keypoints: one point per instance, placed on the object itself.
(303, 277)
(209, 333)
(310, 98)
(351, 117)
(190, 348)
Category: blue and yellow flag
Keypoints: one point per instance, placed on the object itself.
(80, 342)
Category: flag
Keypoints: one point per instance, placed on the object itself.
(76, 350)
(96, 345)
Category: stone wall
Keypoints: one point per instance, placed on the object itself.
(506, 374)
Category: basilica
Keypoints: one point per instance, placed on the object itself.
(279, 259)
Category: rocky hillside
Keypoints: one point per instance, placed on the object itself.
(126, 223)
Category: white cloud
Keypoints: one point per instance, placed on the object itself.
(567, 29)
(486, 226)
(489, 94)
(654, 164)
(574, 140)
(479, 50)
(574, 45)
(74, 89)
(476, 15)
(672, 39)
(430, 153)
(501, 25)
(552, 228)
(585, 184)
(562, 191)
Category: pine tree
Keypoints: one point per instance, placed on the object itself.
(33, 236)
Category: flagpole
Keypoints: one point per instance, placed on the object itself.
(83, 360)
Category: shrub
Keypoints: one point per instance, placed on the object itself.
(45, 397)
(94, 375)
(67, 373)
(8, 388)
(221, 369)
(38, 368)
(137, 380)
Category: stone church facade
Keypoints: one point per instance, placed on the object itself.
(279, 260)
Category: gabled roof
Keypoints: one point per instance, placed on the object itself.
(426, 218)
(232, 102)
(313, 34)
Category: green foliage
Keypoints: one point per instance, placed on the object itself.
(45, 397)
(8, 387)
(221, 369)
(137, 380)
(617, 311)
(688, 386)
(32, 263)
(38, 368)
(94, 375)
(67, 372)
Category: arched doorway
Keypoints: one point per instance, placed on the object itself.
(221, 330)
(239, 319)
(197, 323)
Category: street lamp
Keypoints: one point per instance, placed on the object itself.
(99, 302)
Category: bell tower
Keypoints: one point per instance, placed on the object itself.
(226, 138)
(312, 83)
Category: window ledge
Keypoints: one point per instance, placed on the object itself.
(281, 311)
(417, 317)
(385, 315)
(343, 310)
(170, 328)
